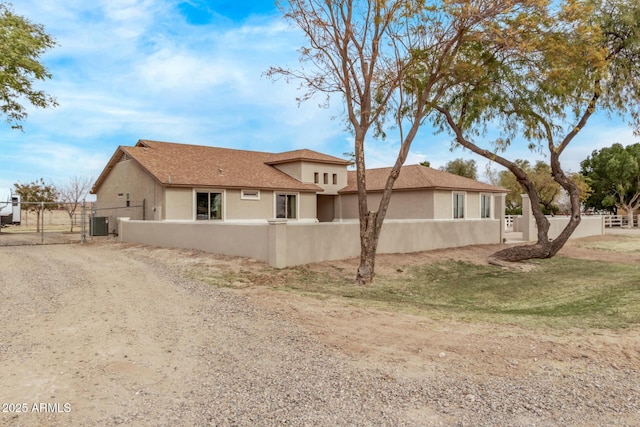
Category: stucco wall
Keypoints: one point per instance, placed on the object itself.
(305, 172)
(443, 204)
(307, 206)
(128, 177)
(238, 208)
(589, 226)
(310, 168)
(145, 195)
(281, 243)
(403, 205)
(248, 240)
(179, 203)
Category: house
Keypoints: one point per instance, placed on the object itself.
(164, 181)
(423, 193)
(190, 182)
(286, 208)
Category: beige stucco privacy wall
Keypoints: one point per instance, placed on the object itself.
(589, 225)
(248, 240)
(282, 244)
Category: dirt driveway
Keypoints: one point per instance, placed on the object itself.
(107, 334)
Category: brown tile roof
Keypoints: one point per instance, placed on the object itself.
(305, 155)
(413, 177)
(175, 164)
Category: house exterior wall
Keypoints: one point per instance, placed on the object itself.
(305, 171)
(308, 206)
(442, 204)
(310, 169)
(419, 204)
(403, 205)
(326, 206)
(473, 205)
(293, 169)
(238, 208)
(145, 195)
(180, 205)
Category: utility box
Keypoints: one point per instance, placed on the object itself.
(99, 226)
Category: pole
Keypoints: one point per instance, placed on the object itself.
(84, 219)
(42, 222)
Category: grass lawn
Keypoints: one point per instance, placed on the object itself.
(559, 293)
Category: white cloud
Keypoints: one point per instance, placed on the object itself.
(131, 69)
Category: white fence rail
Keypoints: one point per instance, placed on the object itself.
(511, 221)
(508, 222)
(620, 221)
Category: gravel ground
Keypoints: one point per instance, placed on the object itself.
(103, 334)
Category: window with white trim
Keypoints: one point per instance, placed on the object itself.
(286, 206)
(485, 206)
(458, 205)
(208, 205)
(250, 194)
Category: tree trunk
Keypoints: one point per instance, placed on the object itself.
(545, 247)
(368, 249)
(630, 216)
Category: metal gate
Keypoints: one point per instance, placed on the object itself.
(64, 223)
(43, 223)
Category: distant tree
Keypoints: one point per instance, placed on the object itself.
(563, 201)
(548, 189)
(72, 193)
(21, 45)
(37, 197)
(462, 167)
(426, 163)
(614, 174)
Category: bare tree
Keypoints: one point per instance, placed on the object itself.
(72, 193)
(371, 53)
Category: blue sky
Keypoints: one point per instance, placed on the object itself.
(191, 72)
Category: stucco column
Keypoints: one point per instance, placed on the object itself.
(499, 207)
(278, 243)
(529, 227)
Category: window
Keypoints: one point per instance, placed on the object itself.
(250, 195)
(316, 177)
(326, 178)
(208, 205)
(286, 206)
(458, 205)
(485, 206)
(128, 200)
(335, 179)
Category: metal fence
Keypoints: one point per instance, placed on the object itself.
(42, 223)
